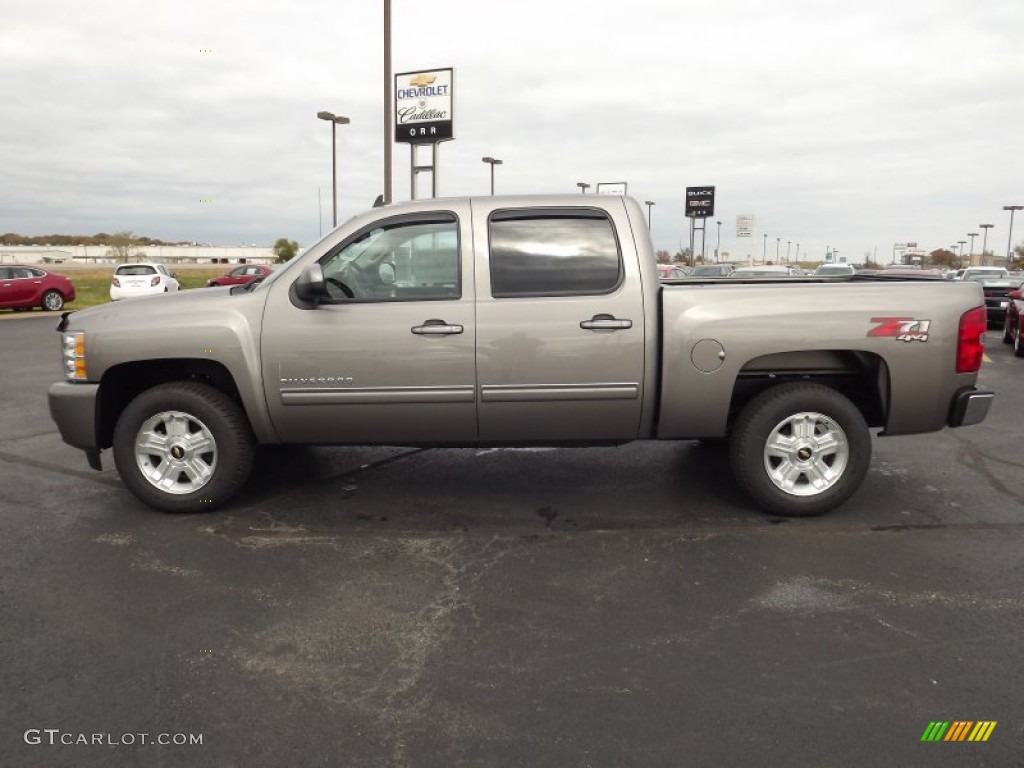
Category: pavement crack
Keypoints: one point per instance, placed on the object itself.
(91, 475)
(973, 458)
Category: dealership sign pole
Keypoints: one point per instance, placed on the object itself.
(700, 204)
(424, 114)
(745, 228)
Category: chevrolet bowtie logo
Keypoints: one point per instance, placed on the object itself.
(424, 78)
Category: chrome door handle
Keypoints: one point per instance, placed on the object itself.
(436, 328)
(605, 322)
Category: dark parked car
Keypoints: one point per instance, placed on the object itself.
(997, 298)
(1011, 321)
(240, 275)
(24, 287)
(712, 270)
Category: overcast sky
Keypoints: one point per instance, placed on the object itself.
(846, 124)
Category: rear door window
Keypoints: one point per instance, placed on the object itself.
(553, 252)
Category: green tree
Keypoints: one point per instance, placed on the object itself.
(682, 255)
(285, 249)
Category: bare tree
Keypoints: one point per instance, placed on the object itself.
(123, 246)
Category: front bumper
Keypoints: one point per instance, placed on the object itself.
(74, 408)
(970, 406)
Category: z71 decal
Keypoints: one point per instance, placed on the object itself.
(900, 328)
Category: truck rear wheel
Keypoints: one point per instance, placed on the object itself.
(800, 449)
(183, 447)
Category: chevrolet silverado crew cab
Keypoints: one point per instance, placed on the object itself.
(516, 321)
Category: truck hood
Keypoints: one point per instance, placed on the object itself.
(165, 308)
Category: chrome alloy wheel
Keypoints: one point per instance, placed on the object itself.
(175, 452)
(806, 454)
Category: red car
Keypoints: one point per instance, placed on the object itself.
(1012, 333)
(24, 287)
(240, 275)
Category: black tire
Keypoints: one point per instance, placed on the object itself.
(765, 417)
(1018, 342)
(223, 423)
(53, 301)
(1007, 336)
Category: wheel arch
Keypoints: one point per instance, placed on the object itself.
(862, 377)
(122, 383)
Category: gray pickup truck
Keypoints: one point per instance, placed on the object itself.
(516, 321)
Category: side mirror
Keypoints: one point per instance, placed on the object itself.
(1016, 295)
(310, 285)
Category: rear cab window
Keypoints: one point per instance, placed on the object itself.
(553, 252)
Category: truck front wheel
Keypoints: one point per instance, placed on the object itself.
(800, 449)
(183, 447)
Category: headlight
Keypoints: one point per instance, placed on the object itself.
(73, 346)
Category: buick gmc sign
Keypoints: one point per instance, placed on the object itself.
(700, 202)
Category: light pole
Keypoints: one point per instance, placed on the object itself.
(798, 252)
(962, 243)
(1009, 237)
(334, 120)
(718, 244)
(492, 161)
(583, 187)
(778, 242)
(984, 241)
(970, 256)
(789, 244)
(648, 203)
(764, 249)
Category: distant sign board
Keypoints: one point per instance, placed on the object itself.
(745, 225)
(423, 106)
(700, 202)
(611, 188)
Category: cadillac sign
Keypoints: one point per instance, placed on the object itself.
(423, 106)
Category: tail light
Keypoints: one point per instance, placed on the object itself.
(115, 282)
(970, 342)
(154, 282)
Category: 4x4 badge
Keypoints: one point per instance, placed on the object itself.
(901, 328)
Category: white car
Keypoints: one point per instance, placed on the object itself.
(764, 270)
(835, 269)
(141, 279)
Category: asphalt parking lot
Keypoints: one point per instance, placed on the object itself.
(593, 607)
